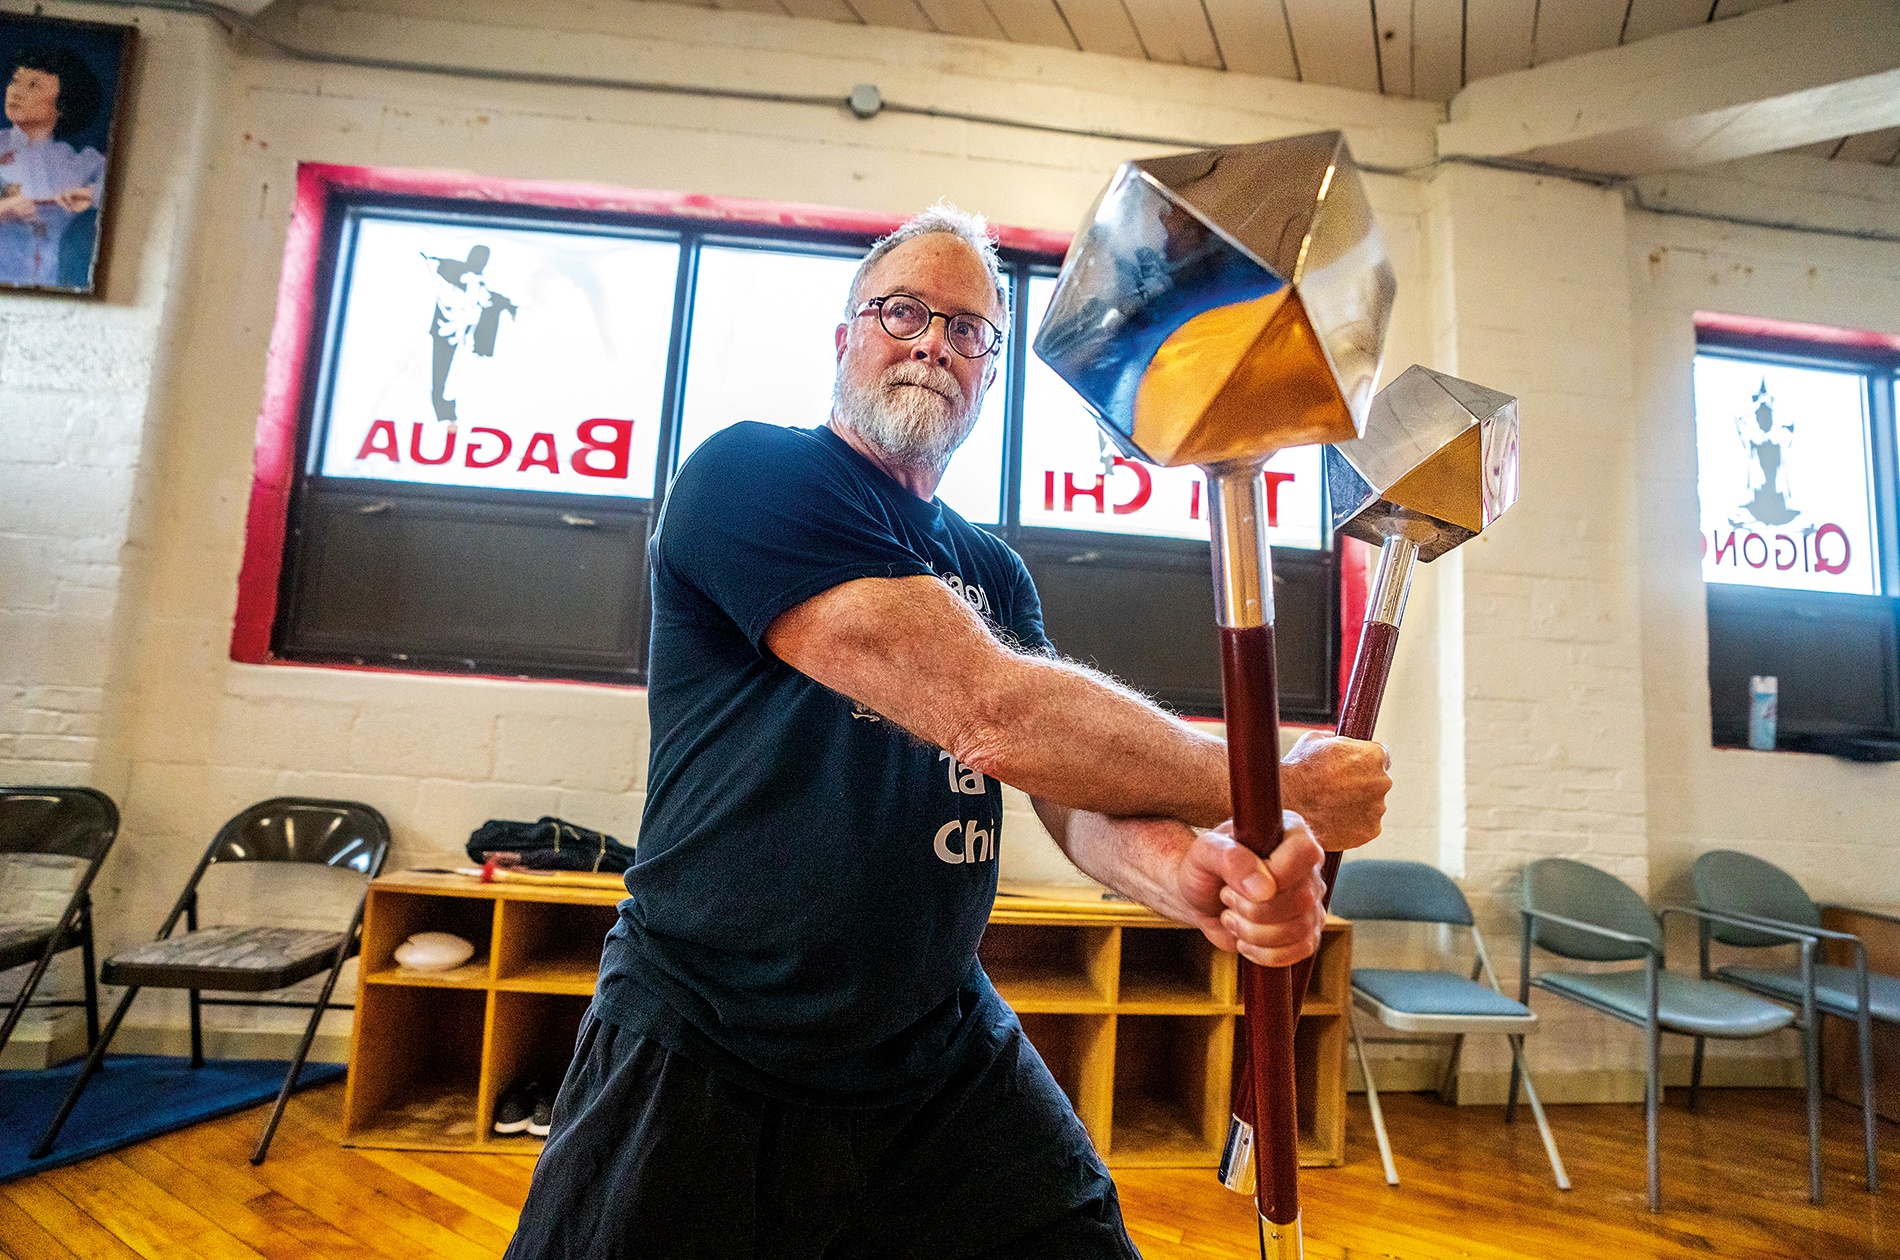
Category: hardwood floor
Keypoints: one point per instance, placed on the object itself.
(1734, 1185)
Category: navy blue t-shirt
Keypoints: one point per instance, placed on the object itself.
(811, 881)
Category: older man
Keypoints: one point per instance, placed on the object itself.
(793, 1051)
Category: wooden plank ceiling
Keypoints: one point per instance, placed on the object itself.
(1423, 49)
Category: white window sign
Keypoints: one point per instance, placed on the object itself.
(764, 348)
(506, 358)
(1073, 478)
(1784, 476)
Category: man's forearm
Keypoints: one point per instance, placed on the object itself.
(1137, 857)
(1066, 734)
(922, 658)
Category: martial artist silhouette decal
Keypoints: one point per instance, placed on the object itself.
(467, 314)
(1767, 438)
(1783, 477)
(500, 357)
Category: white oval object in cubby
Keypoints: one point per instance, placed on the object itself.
(433, 951)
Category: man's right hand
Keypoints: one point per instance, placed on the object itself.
(17, 208)
(1270, 911)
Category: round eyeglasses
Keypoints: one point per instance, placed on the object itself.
(906, 318)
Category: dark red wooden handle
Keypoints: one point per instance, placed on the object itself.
(1359, 713)
(1253, 768)
(1358, 717)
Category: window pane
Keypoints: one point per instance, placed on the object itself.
(1074, 479)
(763, 349)
(762, 346)
(501, 357)
(1783, 476)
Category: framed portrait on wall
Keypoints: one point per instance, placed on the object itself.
(65, 85)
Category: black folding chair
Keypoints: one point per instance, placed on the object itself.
(77, 825)
(341, 834)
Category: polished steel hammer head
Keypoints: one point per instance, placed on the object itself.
(1220, 305)
(1437, 463)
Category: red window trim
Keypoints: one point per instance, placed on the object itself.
(292, 343)
(1787, 335)
(1356, 562)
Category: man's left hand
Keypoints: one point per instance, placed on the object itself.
(1271, 911)
(1337, 785)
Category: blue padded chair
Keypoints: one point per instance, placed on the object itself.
(1578, 912)
(1748, 888)
(1437, 1002)
(344, 835)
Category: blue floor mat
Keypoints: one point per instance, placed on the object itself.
(133, 1097)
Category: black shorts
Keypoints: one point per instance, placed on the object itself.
(653, 1157)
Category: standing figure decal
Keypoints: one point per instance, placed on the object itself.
(1767, 439)
(467, 313)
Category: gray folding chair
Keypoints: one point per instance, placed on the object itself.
(340, 834)
(1755, 891)
(72, 828)
(1436, 1002)
(1578, 912)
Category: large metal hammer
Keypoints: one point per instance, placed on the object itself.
(1436, 465)
(1214, 308)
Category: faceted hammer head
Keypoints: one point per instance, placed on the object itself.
(1220, 305)
(1437, 464)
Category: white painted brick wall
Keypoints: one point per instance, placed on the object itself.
(1828, 822)
(76, 400)
(1552, 689)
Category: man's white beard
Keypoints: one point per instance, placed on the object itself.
(909, 426)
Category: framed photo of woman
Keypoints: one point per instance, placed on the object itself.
(65, 86)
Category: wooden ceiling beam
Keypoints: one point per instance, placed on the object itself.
(1772, 79)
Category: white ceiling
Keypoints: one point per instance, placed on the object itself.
(1424, 49)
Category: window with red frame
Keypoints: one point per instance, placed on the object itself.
(1797, 464)
(499, 391)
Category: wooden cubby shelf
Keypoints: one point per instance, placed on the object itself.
(1145, 1045)
(1137, 1017)
(506, 1014)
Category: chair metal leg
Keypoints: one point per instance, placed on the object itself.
(1510, 1099)
(92, 974)
(296, 1061)
(1448, 1083)
(20, 1003)
(1811, 1061)
(93, 1061)
(1518, 1066)
(1652, 1105)
(197, 1033)
(1866, 1022)
(1695, 1075)
(1372, 1103)
(18, 1008)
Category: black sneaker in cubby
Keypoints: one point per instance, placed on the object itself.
(515, 1110)
(543, 1115)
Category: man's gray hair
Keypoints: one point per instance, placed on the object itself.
(972, 229)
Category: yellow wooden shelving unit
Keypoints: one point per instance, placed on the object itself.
(1134, 1015)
